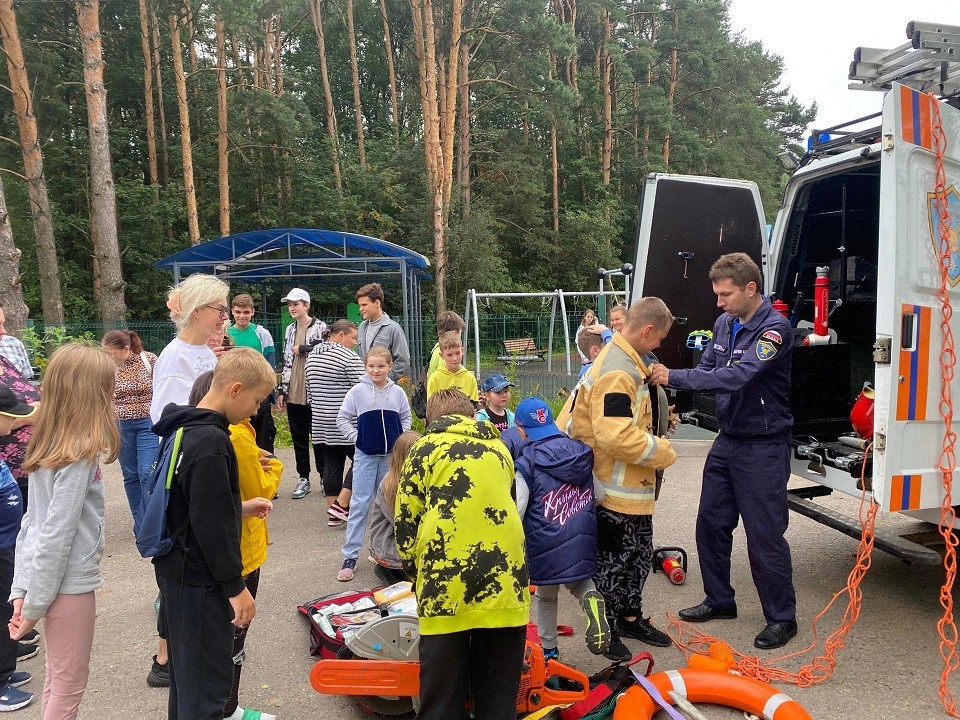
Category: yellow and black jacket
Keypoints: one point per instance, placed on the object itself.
(458, 531)
(611, 411)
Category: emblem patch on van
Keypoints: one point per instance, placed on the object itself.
(953, 234)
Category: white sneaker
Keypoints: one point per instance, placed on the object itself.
(303, 488)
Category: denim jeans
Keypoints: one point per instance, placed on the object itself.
(368, 471)
(138, 451)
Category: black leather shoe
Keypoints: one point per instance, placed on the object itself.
(775, 635)
(703, 612)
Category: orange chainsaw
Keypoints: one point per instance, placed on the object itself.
(378, 667)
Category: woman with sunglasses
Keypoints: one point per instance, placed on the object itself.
(199, 308)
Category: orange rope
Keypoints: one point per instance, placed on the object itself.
(947, 462)
(822, 666)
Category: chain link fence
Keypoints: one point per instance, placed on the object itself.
(494, 329)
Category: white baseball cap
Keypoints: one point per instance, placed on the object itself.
(297, 295)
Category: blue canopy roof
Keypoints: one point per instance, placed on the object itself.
(260, 255)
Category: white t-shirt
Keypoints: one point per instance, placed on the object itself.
(175, 371)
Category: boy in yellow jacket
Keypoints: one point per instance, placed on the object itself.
(460, 538)
(612, 410)
(259, 474)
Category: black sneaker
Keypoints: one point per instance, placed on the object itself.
(617, 651)
(25, 652)
(158, 676)
(644, 631)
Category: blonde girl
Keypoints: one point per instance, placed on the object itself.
(198, 307)
(383, 540)
(57, 566)
(375, 412)
(589, 318)
(618, 317)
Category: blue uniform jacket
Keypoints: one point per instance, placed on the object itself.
(751, 379)
(560, 522)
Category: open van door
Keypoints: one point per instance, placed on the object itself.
(686, 223)
(908, 428)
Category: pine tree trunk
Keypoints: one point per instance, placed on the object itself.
(327, 94)
(161, 111)
(47, 263)
(463, 146)
(671, 89)
(439, 123)
(152, 171)
(277, 46)
(355, 72)
(606, 69)
(186, 146)
(392, 74)
(223, 158)
(649, 83)
(555, 183)
(268, 39)
(103, 195)
(11, 291)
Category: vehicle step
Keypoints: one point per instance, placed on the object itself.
(909, 552)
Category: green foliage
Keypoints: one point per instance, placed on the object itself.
(283, 438)
(40, 345)
(531, 75)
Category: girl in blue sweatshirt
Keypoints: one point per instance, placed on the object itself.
(372, 416)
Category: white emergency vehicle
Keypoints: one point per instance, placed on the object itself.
(861, 208)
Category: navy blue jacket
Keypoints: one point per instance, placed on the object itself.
(751, 379)
(560, 522)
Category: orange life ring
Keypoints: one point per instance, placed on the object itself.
(710, 686)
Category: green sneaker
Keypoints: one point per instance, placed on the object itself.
(597, 633)
(248, 714)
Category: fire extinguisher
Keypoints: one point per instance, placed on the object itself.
(672, 561)
(821, 301)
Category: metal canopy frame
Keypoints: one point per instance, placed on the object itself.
(312, 254)
(558, 305)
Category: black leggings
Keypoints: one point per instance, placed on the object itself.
(300, 425)
(334, 459)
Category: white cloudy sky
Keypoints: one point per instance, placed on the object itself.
(816, 39)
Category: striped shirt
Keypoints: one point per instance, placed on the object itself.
(331, 371)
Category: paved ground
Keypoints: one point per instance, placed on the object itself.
(889, 668)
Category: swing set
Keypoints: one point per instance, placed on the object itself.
(523, 350)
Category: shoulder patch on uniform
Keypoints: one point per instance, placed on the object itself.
(773, 336)
(617, 405)
(766, 350)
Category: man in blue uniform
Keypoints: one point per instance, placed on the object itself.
(747, 366)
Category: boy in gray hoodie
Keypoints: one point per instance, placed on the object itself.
(378, 329)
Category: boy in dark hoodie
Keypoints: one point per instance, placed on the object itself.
(200, 579)
(554, 482)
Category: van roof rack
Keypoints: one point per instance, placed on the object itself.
(843, 137)
(928, 61)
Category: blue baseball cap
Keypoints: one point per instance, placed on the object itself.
(536, 419)
(495, 383)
